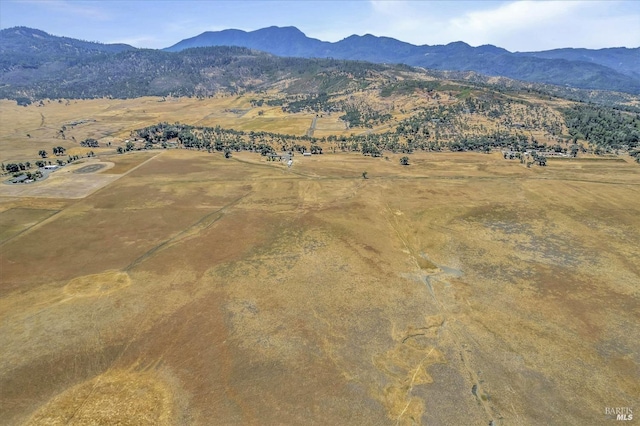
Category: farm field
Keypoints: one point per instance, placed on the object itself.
(180, 287)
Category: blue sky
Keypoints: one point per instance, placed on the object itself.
(514, 25)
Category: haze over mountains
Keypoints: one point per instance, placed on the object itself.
(36, 64)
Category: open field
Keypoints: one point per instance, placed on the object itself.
(26, 130)
(65, 123)
(194, 289)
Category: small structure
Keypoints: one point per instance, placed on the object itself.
(289, 163)
(51, 166)
(307, 154)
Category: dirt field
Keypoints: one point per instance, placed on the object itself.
(70, 181)
(194, 289)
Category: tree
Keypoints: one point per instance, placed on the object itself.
(542, 160)
(90, 143)
(227, 154)
(364, 175)
(42, 153)
(12, 168)
(574, 150)
(404, 161)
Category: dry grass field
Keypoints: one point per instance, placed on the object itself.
(194, 289)
(26, 130)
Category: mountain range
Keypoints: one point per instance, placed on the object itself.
(604, 69)
(35, 64)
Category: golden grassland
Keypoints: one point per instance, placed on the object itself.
(26, 130)
(180, 287)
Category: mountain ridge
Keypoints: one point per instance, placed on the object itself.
(602, 69)
(36, 65)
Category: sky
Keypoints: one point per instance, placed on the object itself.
(514, 25)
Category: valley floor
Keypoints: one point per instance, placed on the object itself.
(186, 288)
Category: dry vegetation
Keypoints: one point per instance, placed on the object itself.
(180, 287)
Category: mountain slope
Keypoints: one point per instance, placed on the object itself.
(286, 41)
(192, 72)
(621, 59)
(30, 48)
(39, 66)
(610, 70)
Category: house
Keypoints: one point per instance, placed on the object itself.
(19, 179)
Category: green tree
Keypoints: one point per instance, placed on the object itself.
(404, 161)
(42, 153)
(12, 168)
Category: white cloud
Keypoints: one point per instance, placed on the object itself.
(514, 16)
(514, 25)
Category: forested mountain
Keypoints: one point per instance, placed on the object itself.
(91, 70)
(621, 59)
(436, 110)
(36, 65)
(22, 47)
(605, 69)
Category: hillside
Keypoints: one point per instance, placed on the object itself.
(375, 107)
(621, 59)
(606, 69)
(36, 65)
(28, 48)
